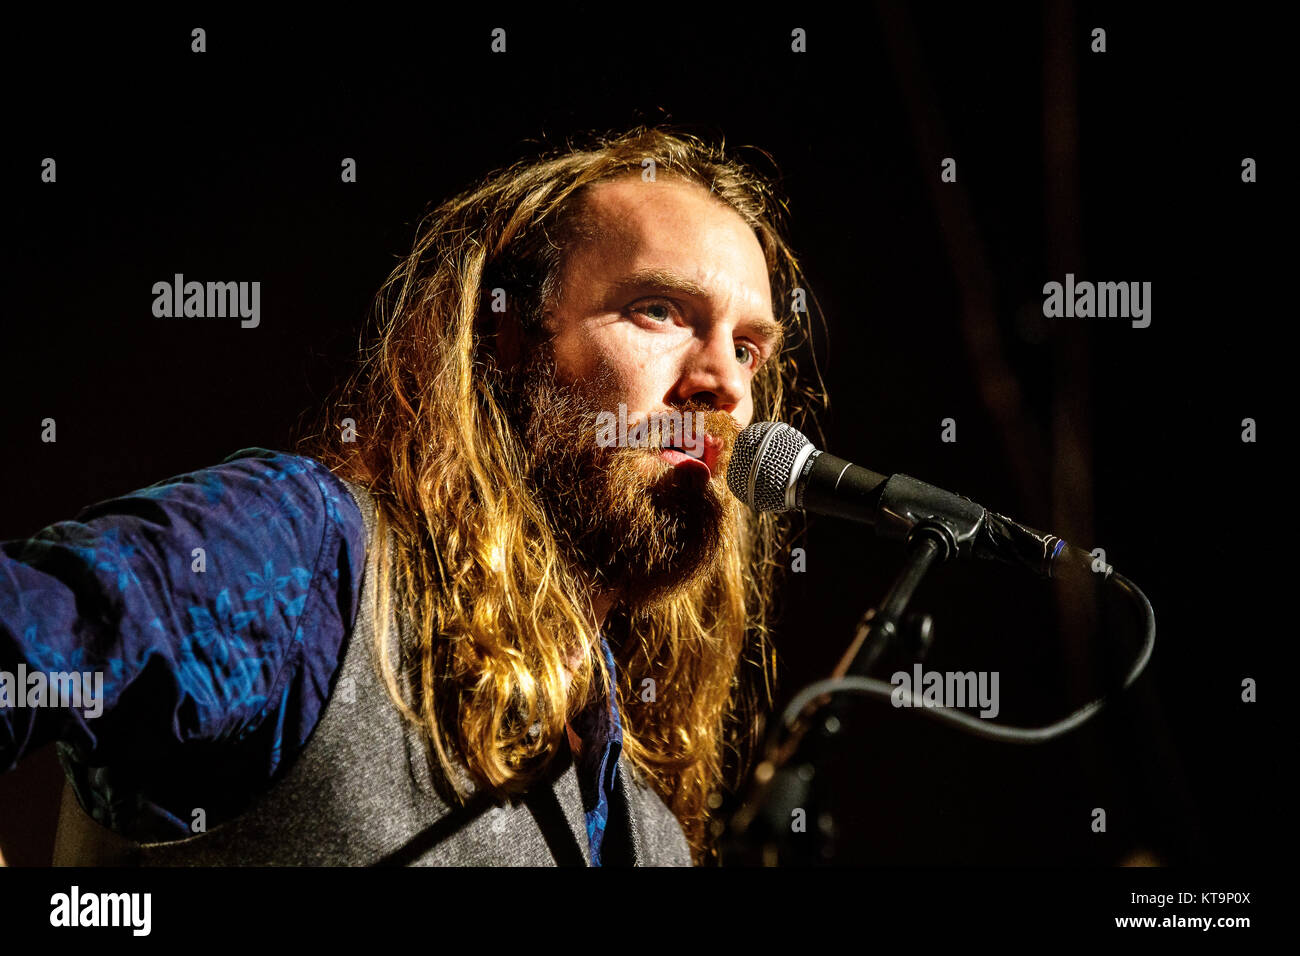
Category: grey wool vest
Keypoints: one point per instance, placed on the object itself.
(362, 793)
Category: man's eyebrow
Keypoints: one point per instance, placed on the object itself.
(661, 280)
(667, 281)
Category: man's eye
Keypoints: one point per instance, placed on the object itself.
(652, 310)
(745, 354)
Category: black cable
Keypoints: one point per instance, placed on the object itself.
(874, 687)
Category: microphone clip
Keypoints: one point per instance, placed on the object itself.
(909, 506)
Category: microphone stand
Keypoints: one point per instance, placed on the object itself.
(787, 790)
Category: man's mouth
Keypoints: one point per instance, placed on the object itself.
(706, 462)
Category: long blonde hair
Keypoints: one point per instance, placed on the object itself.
(496, 615)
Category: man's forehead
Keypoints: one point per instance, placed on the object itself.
(620, 207)
(674, 229)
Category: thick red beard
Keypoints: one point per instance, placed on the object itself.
(637, 526)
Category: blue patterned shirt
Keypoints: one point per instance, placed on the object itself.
(214, 606)
(601, 733)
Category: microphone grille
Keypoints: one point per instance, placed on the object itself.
(762, 461)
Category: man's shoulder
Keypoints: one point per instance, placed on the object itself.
(294, 473)
(261, 488)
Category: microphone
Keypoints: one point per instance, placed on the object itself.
(774, 467)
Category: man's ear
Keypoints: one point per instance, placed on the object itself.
(514, 340)
(502, 333)
(509, 337)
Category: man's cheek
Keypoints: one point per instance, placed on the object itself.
(745, 411)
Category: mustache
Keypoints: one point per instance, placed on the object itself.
(689, 421)
(705, 434)
(551, 414)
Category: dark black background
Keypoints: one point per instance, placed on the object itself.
(225, 166)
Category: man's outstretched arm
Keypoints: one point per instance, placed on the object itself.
(200, 619)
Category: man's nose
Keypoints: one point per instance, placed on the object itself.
(712, 375)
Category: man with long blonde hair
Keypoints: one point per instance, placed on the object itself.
(545, 641)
